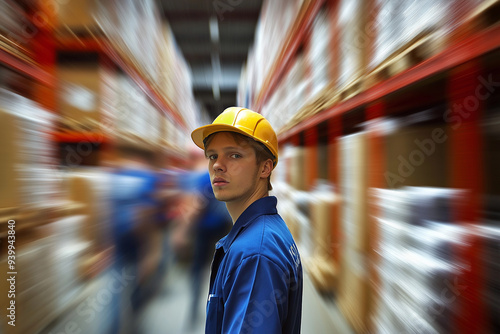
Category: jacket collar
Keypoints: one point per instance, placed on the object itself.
(262, 206)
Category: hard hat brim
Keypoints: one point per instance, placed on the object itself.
(199, 134)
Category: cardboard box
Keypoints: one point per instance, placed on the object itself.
(79, 96)
(324, 224)
(353, 175)
(35, 281)
(353, 40)
(297, 172)
(323, 273)
(76, 14)
(9, 176)
(354, 296)
(417, 156)
(92, 190)
(289, 215)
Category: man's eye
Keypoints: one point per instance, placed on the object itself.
(212, 157)
(235, 155)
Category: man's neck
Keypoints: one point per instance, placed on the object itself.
(236, 208)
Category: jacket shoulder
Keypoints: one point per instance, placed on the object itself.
(266, 236)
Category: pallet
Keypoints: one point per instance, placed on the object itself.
(485, 15)
(352, 89)
(67, 124)
(79, 33)
(28, 218)
(420, 48)
(323, 100)
(327, 98)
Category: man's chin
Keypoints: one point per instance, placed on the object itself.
(220, 197)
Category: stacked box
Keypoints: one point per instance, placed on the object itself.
(175, 81)
(353, 189)
(490, 249)
(418, 260)
(301, 200)
(79, 99)
(147, 44)
(353, 40)
(322, 266)
(354, 288)
(9, 174)
(274, 25)
(92, 188)
(319, 56)
(322, 204)
(47, 281)
(398, 22)
(289, 213)
(27, 178)
(35, 281)
(290, 96)
(287, 206)
(133, 28)
(132, 128)
(77, 15)
(297, 177)
(416, 156)
(323, 274)
(109, 102)
(68, 250)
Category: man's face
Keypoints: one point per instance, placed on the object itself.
(233, 168)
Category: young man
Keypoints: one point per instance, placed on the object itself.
(256, 278)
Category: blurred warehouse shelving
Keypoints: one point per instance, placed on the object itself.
(383, 94)
(388, 114)
(80, 83)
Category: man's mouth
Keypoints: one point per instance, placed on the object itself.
(218, 181)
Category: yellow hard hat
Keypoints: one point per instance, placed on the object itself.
(243, 121)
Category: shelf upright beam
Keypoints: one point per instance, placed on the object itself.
(459, 11)
(334, 66)
(40, 42)
(308, 71)
(370, 32)
(466, 92)
(295, 142)
(334, 133)
(376, 172)
(311, 156)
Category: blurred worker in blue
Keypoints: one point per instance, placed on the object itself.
(256, 274)
(209, 219)
(135, 212)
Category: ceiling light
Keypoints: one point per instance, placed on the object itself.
(216, 74)
(216, 90)
(214, 29)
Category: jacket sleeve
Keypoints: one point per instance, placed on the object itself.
(255, 297)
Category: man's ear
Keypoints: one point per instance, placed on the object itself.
(266, 168)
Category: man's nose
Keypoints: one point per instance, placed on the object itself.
(219, 165)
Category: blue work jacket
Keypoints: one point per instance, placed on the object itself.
(256, 276)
